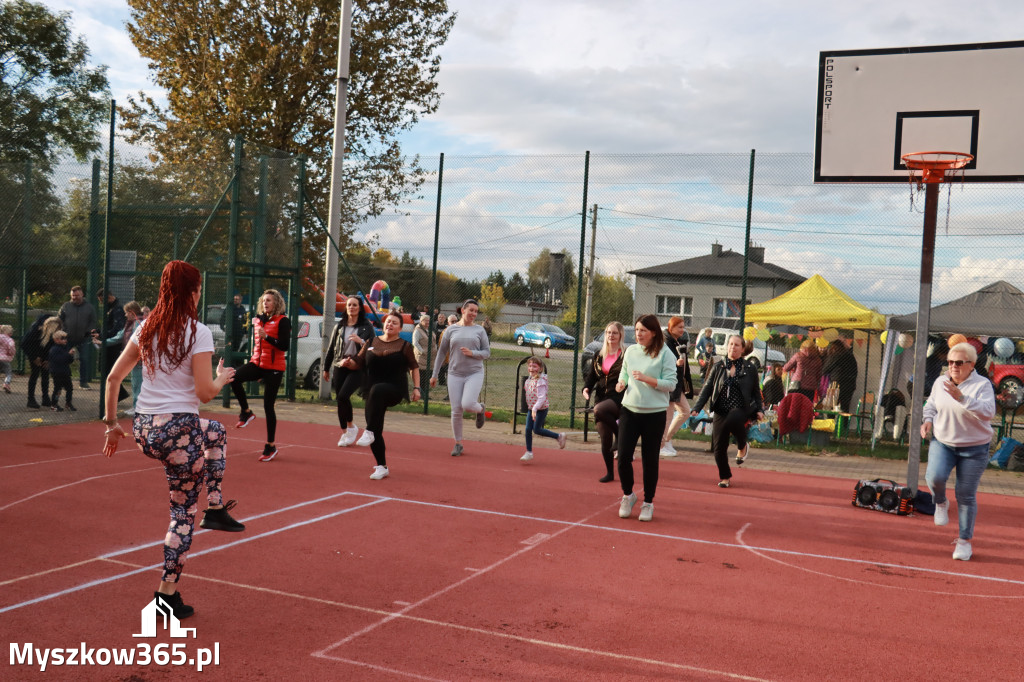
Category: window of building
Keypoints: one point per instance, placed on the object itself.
(727, 307)
(681, 306)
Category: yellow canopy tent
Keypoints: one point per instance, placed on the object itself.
(815, 303)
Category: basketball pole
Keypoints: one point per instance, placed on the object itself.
(931, 207)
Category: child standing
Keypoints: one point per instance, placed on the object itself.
(536, 389)
(60, 358)
(6, 354)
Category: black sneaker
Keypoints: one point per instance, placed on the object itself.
(269, 453)
(32, 404)
(70, 408)
(56, 408)
(46, 401)
(219, 519)
(244, 419)
(180, 609)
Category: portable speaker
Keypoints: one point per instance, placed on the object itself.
(884, 495)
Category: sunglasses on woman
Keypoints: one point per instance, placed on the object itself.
(957, 363)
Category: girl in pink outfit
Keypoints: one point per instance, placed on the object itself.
(536, 389)
(6, 354)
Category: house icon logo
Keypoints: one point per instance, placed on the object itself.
(159, 611)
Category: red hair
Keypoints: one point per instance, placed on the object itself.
(175, 310)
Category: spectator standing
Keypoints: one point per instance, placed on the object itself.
(239, 322)
(420, 339)
(7, 350)
(78, 319)
(59, 358)
(841, 367)
(113, 324)
(805, 369)
(132, 313)
(36, 347)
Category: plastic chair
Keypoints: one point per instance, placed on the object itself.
(865, 412)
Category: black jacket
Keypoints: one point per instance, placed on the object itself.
(601, 385)
(364, 331)
(747, 381)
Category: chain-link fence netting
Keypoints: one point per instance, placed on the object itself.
(543, 242)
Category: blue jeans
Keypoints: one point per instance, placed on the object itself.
(537, 427)
(86, 361)
(970, 463)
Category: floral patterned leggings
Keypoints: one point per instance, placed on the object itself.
(191, 450)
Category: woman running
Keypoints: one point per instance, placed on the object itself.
(466, 344)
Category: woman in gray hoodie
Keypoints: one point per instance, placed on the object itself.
(466, 347)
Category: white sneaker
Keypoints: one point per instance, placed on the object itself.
(668, 450)
(561, 441)
(379, 472)
(646, 511)
(626, 506)
(963, 550)
(365, 439)
(527, 456)
(942, 514)
(348, 437)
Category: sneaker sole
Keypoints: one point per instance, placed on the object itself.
(267, 458)
(242, 425)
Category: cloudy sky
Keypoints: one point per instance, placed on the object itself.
(653, 76)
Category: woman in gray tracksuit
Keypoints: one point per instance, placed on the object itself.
(466, 346)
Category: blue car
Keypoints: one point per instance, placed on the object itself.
(541, 334)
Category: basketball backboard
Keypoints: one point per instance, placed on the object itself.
(876, 105)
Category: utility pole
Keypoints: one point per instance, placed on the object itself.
(585, 330)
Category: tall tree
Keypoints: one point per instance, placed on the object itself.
(267, 71)
(50, 99)
(492, 300)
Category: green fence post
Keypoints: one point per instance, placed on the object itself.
(746, 253)
(236, 196)
(425, 381)
(579, 284)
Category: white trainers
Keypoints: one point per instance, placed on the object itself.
(348, 437)
(942, 515)
(963, 550)
(527, 456)
(365, 439)
(379, 472)
(561, 441)
(668, 451)
(646, 511)
(626, 506)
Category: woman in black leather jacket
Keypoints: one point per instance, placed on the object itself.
(733, 394)
(600, 381)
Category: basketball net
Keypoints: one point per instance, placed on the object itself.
(926, 168)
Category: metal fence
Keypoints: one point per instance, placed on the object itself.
(531, 225)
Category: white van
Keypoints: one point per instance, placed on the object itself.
(720, 336)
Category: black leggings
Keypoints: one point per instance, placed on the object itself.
(648, 428)
(346, 382)
(271, 383)
(379, 398)
(734, 423)
(606, 413)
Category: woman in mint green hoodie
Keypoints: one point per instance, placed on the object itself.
(648, 376)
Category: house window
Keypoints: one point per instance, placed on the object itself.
(675, 305)
(727, 307)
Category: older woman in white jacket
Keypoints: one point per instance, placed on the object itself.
(959, 412)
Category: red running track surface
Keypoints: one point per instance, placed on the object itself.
(481, 567)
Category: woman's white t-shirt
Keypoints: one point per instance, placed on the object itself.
(173, 390)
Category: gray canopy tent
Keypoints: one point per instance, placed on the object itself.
(993, 310)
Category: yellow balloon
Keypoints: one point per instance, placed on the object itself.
(821, 342)
(885, 335)
(749, 334)
(763, 335)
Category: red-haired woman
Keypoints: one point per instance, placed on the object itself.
(272, 334)
(176, 352)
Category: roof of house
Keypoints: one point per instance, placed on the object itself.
(720, 263)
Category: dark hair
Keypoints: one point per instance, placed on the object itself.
(361, 316)
(468, 301)
(392, 313)
(651, 323)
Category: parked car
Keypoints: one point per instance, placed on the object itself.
(587, 356)
(307, 358)
(543, 334)
(1008, 378)
(720, 336)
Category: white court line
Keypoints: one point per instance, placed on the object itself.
(109, 579)
(754, 551)
(50, 461)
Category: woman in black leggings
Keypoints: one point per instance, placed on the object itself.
(600, 381)
(272, 333)
(350, 335)
(388, 360)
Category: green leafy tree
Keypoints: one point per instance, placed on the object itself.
(268, 72)
(613, 300)
(543, 281)
(51, 101)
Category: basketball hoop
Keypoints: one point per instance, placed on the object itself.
(933, 165)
